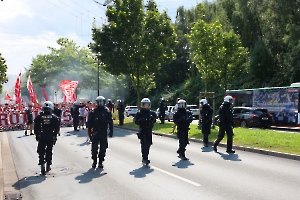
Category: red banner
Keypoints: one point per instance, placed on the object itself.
(68, 87)
(7, 97)
(18, 89)
(44, 93)
(32, 94)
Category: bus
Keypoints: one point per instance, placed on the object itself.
(281, 102)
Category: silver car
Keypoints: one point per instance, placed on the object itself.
(195, 110)
(131, 111)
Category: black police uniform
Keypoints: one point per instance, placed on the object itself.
(98, 120)
(162, 111)
(206, 118)
(58, 113)
(46, 127)
(121, 110)
(145, 119)
(182, 118)
(226, 125)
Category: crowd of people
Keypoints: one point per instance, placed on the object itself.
(16, 116)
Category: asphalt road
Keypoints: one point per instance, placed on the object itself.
(207, 175)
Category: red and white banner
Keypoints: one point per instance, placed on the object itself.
(17, 92)
(44, 94)
(7, 97)
(68, 87)
(32, 94)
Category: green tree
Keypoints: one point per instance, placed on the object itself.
(136, 41)
(70, 62)
(206, 46)
(3, 70)
(232, 62)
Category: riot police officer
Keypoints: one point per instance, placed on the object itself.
(226, 124)
(121, 110)
(46, 127)
(98, 121)
(206, 120)
(162, 111)
(182, 118)
(145, 119)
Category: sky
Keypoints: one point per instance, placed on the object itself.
(27, 27)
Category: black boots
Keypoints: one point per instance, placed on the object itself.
(94, 164)
(146, 162)
(48, 168)
(100, 165)
(43, 171)
(230, 151)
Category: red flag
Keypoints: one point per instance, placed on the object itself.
(17, 92)
(7, 97)
(44, 93)
(32, 94)
(73, 97)
(65, 99)
(68, 87)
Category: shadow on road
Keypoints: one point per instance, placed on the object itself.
(21, 136)
(183, 164)
(141, 172)
(207, 149)
(27, 181)
(232, 157)
(91, 174)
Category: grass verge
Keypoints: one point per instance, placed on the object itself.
(254, 138)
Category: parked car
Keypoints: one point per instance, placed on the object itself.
(195, 110)
(249, 117)
(131, 111)
(171, 112)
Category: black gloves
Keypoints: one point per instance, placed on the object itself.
(138, 134)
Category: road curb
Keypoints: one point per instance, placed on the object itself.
(241, 148)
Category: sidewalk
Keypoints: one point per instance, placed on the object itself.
(241, 148)
(8, 174)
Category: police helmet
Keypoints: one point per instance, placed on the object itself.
(228, 99)
(109, 100)
(119, 100)
(181, 103)
(203, 101)
(145, 101)
(48, 106)
(100, 101)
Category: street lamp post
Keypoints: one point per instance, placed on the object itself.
(98, 78)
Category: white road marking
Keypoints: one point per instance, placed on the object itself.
(175, 176)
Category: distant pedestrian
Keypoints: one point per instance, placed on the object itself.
(226, 124)
(121, 110)
(29, 118)
(206, 120)
(162, 110)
